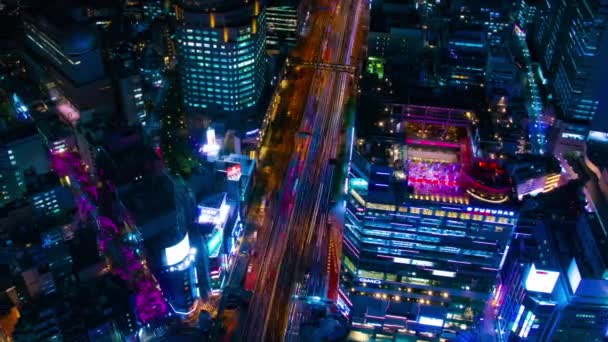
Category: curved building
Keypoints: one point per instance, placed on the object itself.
(221, 56)
(172, 258)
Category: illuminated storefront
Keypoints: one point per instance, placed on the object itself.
(224, 227)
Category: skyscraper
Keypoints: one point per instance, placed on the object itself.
(426, 226)
(221, 56)
(572, 45)
(283, 24)
(553, 284)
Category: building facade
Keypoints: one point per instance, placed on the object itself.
(221, 56)
(572, 45)
(423, 239)
(553, 285)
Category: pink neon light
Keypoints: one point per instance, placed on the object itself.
(345, 297)
(351, 246)
(150, 303)
(372, 316)
(68, 112)
(436, 143)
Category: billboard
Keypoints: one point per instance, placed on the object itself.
(233, 173)
(574, 275)
(178, 252)
(435, 322)
(541, 280)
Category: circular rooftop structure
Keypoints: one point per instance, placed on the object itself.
(78, 39)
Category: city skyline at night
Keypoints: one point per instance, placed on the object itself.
(303, 170)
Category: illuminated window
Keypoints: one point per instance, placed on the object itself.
(477, 217)
(427, 212)
(452, 214)
(503, 220)
(465, 216)
(490, 218)
(440, 213)
(415, 210)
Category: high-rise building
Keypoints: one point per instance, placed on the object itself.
(533, 174)
(21, 148)
(493, 15)
(282, 26)
(221, 56)
(501, 75)
(426, 227)
(71, 54)
(553, 284)
(48, 195)
(396, 32)
(572, 45)
(131, 99)
(466, 58)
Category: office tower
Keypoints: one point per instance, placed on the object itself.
(131, 98)
(493, 15)
(153, 9)
(553, 284)
(501, 75)
(49, 196)
(572, 46)
(525, 13)
(533, 174)
(21, 148)
(221, 57)
(426, 225)
(282, 23)
(71, 53)
(396, 32)
(466, 58)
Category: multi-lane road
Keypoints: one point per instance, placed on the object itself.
(292, 241)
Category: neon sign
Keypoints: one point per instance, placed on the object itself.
(370, 281)
(234, 172)
(541, 280)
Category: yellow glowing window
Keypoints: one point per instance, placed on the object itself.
(415, 210)
(440, 213)
(477, 217)
(465, 216)
(379, 206)
(503, 220)
(403, 209)
(427, 212)
(452, 214)
(490, 219)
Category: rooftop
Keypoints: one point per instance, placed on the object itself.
(151, 201)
